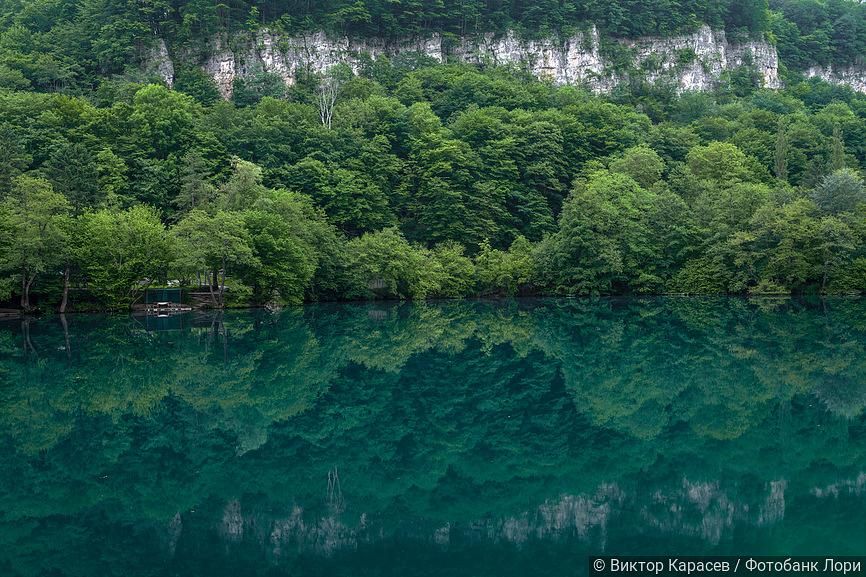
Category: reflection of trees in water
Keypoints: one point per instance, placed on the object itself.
(325, 428)
(843, 395)
(336, 504)
(634, 365)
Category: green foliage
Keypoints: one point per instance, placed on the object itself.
(243, 188)
(195, 82)
(74, 172)
(123, 251)
(642, 163)
(819, 33)
(384, 264)
(162, 120)
(247, 91)
(603, 237)
(13, 79)
(196, 188)
(702, 276)
(457, 271)
(719, 162)
(504, 273)
(111, 176)
(840, 191)
(35, 232)
(468, 169)
(322, 246)
(215, 244)
(282, 264)
(744, 80)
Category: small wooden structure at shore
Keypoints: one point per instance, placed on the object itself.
(9, 314)
(164, 302)
(166, 308)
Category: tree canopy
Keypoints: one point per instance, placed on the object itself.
(417, 180)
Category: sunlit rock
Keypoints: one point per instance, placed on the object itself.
(687, 62)
(853, 76)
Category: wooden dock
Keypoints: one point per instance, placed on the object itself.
(166, 308)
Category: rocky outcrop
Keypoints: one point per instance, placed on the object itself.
(707, 511)
(158, 62)
(698, 61)
(853, 76)
(689, 62)
(314, 53)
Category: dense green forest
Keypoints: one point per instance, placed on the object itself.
(426, 180)
(810, 33)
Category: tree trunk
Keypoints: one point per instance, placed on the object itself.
(218, 286)
(223, 281)
(25, 302)
(25, 333)
(66, 343)
(65, 298)
(225, 335)
(212, 295)
(25, 291)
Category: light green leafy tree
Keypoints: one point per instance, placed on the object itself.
(122, 253)
(212, 244)
(642, 163)
(283, 264)
(603, 239)
(385, 264)
(37, 228)
(840, 191)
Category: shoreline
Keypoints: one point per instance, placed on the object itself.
(8, 314)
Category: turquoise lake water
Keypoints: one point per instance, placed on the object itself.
(447, 439)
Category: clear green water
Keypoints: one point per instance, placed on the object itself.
(442, 439)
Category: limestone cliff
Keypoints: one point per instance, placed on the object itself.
(854, 76)
(157, 62)
(690, 62)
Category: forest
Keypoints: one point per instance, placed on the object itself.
(415, 179)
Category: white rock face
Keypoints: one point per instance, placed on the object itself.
(856, 486)
(689, 62)
(854, 76)
(158, 62)
(288, 56)
(713, 55)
